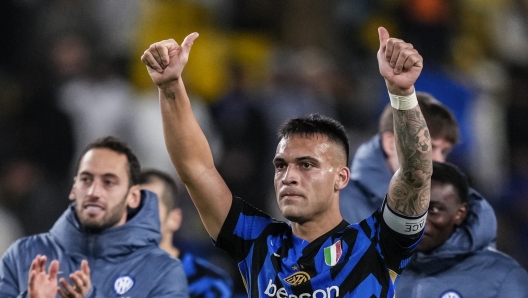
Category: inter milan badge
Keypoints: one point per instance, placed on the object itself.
(123, 284)
(451, 294)
(333, 253)
(297, 278)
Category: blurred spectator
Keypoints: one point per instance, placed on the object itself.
(117, 41)
(57, 19)
(97, 100)
(510, 32)
(513, 237)
(430, 26)
(489, 125)
(145, 123)
(289, 94)
(458, 98)
(38, 152)
(474, 55)
(31, 195)
(241, 124)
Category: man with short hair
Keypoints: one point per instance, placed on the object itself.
(204, 278)
(376, 160)
(318, 254)
(111, 228)
(454, 258)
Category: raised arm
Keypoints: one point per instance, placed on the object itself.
(400, 65)
(187, 146)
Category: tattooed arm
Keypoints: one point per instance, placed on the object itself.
(186, 143)
(409, 190)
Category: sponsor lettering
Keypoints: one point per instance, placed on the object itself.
(272, 291)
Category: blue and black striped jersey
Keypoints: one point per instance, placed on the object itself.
(205, 280)
(351, 260)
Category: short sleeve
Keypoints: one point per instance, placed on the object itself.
(243, 225)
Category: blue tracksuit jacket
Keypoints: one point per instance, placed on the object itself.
(465, 266)
(124, 261)
(369, 182)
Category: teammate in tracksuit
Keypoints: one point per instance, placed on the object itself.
(111, 224)
(205, 279)
(318, 254)
(454, 258)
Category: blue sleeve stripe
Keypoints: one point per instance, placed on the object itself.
(249, 227)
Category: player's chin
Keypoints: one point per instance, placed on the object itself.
(291, 214)
(91, 223)
(296, 219)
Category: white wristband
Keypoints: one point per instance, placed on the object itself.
(400, 102)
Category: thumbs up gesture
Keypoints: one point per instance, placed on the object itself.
(399, 63)
(166, 59)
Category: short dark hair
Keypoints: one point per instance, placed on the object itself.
(317, 124)
(440, 120)
(448, 173)
(170, 192)
(116, 145)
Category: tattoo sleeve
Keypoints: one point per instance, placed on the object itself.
(409, 190)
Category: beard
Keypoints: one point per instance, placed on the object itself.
(110, 218)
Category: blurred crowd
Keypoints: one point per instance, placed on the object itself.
(70, 73)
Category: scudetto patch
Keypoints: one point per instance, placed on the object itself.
(123, 284)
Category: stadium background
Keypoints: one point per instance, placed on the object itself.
(70, 72)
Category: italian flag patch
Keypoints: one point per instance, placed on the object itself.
(333, 253)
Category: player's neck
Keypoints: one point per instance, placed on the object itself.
(166, 245)
(317, 227)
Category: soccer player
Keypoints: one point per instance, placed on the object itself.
(204, 279)
(454, 258)
(318, 254)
